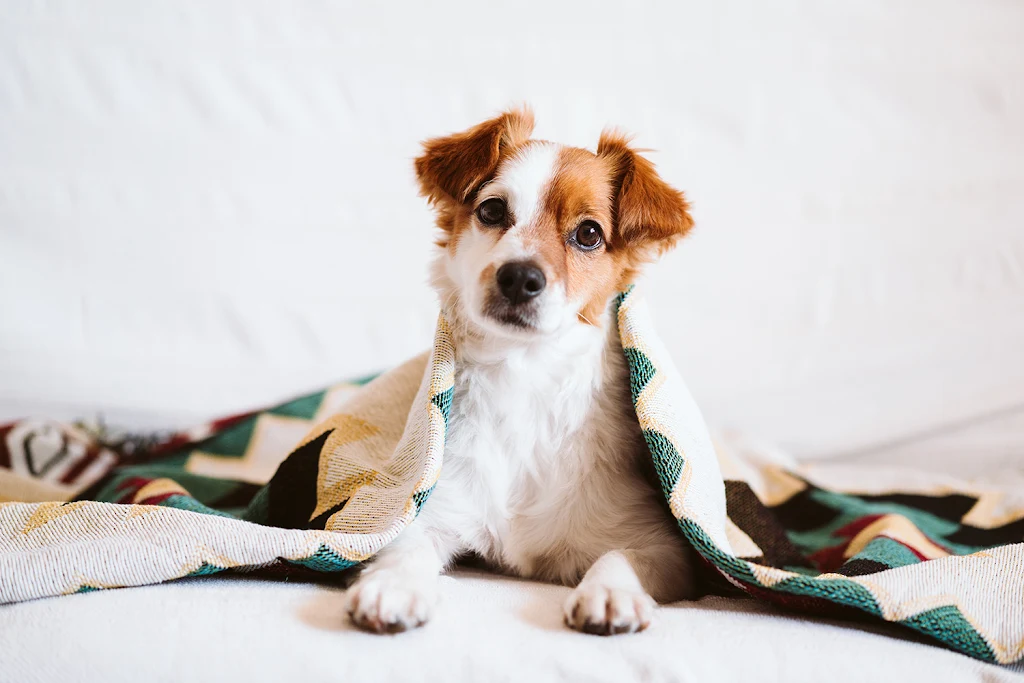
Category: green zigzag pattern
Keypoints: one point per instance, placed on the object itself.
(946, 624)
(206, 569)
(443, 401)
(324, 560)
(304, 407)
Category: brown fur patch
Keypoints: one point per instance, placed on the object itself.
(640, 215)
(487, 275)
(648, 211)
(451, 168)
(581, 190)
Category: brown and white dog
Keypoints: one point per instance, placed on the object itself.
(545, 469)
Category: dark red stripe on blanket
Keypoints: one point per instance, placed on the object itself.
(92, 453)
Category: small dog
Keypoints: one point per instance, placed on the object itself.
(546, 474)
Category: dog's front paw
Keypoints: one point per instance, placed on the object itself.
(390, 602)
(605, 611)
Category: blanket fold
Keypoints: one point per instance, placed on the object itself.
(81, 510)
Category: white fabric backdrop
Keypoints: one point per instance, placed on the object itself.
(206, 206)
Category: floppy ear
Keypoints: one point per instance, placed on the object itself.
(648, 211)
(452, 167)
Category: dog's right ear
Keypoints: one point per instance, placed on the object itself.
(453, 167)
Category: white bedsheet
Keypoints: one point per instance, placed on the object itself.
(487, 628)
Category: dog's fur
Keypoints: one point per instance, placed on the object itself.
(544, 465)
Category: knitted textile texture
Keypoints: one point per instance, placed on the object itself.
(82, 509)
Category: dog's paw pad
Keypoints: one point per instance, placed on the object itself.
(606, 611)
(381, 603)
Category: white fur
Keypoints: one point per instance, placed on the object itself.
(543, 463)
(524, 178)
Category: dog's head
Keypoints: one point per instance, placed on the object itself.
(539, 236)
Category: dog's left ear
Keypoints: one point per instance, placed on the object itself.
(453, 167)
(649, 213)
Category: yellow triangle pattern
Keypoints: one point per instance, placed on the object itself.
(48, 512)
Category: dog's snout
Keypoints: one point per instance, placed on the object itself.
(519, 282)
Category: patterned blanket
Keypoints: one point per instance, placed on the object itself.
(82, 508)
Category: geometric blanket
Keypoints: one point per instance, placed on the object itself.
(321, 483)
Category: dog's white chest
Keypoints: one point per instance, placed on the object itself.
(527, 453)
(514, 482)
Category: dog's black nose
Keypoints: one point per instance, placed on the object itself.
(519, 282)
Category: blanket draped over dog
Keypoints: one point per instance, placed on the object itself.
(942, 559)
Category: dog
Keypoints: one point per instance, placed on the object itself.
(546, 473)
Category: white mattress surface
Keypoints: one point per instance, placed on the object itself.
(487, 628)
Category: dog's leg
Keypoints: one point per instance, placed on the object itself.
(615, 593)
(398, 590)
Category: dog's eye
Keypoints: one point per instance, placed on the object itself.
(491, 211)
(588, 236)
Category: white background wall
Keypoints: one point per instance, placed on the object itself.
(208, 205)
